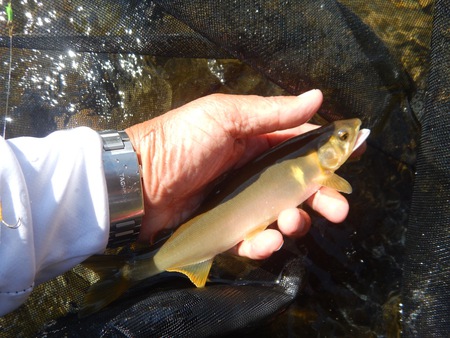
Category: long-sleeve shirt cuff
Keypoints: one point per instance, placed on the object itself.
(56, 187)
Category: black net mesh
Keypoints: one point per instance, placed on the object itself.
(183, 311)
(427, 269)
(110, 64)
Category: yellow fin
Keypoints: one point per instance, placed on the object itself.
(256, 231)
(338, 183)
(197, 273)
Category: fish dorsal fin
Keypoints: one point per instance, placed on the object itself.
(197, 273)
(338, 183)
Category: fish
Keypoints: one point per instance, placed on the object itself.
(243, 204)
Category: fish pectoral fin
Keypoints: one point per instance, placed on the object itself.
(338, 183)
(197, 273)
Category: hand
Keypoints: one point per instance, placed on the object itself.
(184, 150)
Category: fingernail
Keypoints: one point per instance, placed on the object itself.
(309, 92)
(280, 246)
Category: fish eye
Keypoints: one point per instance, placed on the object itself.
(343, 135)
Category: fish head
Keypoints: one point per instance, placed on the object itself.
(339, 144)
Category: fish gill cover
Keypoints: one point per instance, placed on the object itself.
(109, 64)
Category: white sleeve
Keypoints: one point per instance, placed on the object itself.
(56, 186)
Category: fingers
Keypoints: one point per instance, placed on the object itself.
(248, 115)
(291, 222)
(260, 246)
(295, 223)
(329, 203)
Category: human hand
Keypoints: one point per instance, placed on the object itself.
(184, 150)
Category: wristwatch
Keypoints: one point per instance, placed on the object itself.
(124, 184)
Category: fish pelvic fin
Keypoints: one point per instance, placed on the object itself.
(197, 273)
(256, 231)
(113, 282)
(336, 182)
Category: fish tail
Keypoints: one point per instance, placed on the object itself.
(114, 281)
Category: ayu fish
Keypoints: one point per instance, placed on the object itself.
(246, 202)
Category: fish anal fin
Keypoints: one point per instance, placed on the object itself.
(197, 273)
(337, 183)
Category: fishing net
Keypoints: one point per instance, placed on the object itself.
(427, 269)
(110, 64)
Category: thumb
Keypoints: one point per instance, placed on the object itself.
(250, 115)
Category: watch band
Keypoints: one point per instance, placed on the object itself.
(123, 181)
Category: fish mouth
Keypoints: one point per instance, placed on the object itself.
(363, 134)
